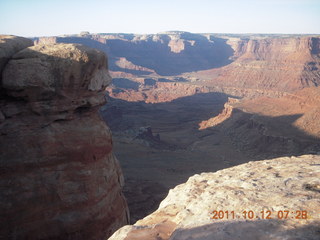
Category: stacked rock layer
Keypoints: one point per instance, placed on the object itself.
(59, 178)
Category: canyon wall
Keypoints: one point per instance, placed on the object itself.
(283, 64)
(271, 63)
(159, 92)
(264, 127)
(168, 53)
(269, 199)
(59, 178)
(240, 65)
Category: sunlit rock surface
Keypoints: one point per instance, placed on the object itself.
(280, 196)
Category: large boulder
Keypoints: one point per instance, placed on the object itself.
(59, 178)
(9, 45)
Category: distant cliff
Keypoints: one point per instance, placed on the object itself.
(283, 64)
(270, 199)
(271, 62)
(168, 53)
(59, 178)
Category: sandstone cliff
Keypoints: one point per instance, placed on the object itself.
(280, 197)
(59, 177)
(224, 115)
(282, 64)
(304, 104)
(265, 127)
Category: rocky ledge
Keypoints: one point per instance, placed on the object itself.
(270, 199)
(58, 178)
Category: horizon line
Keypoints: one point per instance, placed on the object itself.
(160, 33)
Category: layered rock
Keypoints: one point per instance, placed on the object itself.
(124, 63)
(304, 104)
(282, 64)
(224, 115)
(59, 177)
(266, 127)
(160, 92)
(270, 199)
(168, 53)
(245, 62)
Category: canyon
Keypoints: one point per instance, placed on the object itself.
(220, 121)
(253, 97)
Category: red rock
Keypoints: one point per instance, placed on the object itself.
(225, 114)
(160, 92)
(279, 64)
(59, 178)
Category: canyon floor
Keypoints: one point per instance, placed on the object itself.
(151, 167)
(160, 145)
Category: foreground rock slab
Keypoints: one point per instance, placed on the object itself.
(58, 178)
(270, 199)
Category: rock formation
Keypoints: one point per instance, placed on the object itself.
(9, 45)
(160, 92)
(270, 199)
(224, 115)
(266, 127)
(59, 177)
(304, 103)
(123, 65)
(282, 64)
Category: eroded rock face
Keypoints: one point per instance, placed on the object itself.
(160, 92)
(59, 177)
(9, 45)
(285, 189)
(266, 127)
(168, 53)
(282, 64)
(225, 114)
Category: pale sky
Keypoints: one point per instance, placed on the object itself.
(56, 17)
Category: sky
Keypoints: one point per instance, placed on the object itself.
(30, 18)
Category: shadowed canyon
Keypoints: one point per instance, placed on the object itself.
(237, 115)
